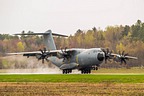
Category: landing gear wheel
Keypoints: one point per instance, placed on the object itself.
(66, 71)
(85, 71)
(96, 68)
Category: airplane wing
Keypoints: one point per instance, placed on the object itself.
(22, 53)
(34, 53)
(40, 55)
(125, 56)
(57, 53)
(130, 57)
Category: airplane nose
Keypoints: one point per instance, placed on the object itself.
(100, 56)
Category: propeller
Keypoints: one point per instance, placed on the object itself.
(122, 57)
(65, 53)
(43, 55)
(107, 54)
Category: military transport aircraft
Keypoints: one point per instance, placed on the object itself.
(84, 60)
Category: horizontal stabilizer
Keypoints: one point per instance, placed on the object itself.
(46, 33)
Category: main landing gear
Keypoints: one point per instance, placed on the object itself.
(95, 68)
(85, 71)
(67, 71)
(88, 70)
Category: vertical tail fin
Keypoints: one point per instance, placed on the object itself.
(48, 41)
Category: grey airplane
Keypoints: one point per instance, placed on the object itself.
(67, 60)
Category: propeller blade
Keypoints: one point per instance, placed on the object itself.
(65, 49)
(124, 61)
(126, 54)
(119, 53)
(43, 61)
(107, 51)
(121, 61)
(41, 51)
(46, 59)
(44, 50)
(110, 51)
(62, 50)
(105, 60)
(122, 52)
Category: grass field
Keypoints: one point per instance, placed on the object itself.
(121, 70)
(79, 78)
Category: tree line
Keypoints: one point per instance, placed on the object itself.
(128, 38)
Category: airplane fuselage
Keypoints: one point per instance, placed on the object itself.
(81, 59)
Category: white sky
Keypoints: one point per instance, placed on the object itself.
(67, 16)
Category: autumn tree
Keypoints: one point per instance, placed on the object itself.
(20, 46)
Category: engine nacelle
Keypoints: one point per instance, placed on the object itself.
(117, 59)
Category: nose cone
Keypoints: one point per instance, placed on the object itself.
(100, 56)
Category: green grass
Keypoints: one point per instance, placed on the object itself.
(89, 78)
(120, 70)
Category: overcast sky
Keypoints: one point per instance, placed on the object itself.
(67, 16)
